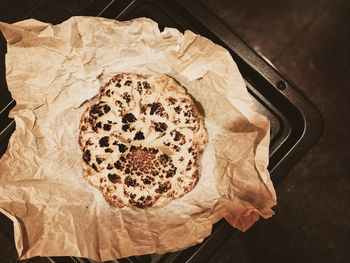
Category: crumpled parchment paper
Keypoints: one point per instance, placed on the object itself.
(52, 70)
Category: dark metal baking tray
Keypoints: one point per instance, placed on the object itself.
(295, 123)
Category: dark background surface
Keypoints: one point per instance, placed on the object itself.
(308, 42)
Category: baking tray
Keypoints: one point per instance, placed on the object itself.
(295, 123)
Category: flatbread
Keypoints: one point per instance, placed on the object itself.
(142, 141)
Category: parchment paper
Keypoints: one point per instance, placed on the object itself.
(52, 70)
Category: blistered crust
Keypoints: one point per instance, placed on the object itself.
(142, 141)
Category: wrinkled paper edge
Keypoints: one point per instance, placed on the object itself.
(249, 214)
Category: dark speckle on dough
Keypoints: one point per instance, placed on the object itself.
(118, 103)
(106, 108)
(139, 136)
(125, 127)
(94, 167)
(96, 109)
(139, 87)
(164, 158)
(128, 83)
(177, 109)
(118, 165)
(104, 141)
(155, 150)
(143, 109)
(171, 172)
(160, 126)
(127, 97)
(87, 156)
(146, 85)
(154, 107)
(122, 147)
(128, 118)
(163, 187)
(99, 160)
(178, 136)
(146, 181)
(129, 181)
(107, 127)
(172, 100)
(132, 148)
(189, 165)
(97, 126)
(114, 178)
(108, 150)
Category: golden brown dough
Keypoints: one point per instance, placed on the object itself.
(142, 141)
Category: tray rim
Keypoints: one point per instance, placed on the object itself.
(312, 117)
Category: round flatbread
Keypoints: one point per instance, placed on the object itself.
(142, 141)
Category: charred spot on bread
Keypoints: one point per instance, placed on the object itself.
(108, 150)
(114, 178)
(163, 187)
(128, 118)
(107, 127)
(177, 109)
(104, 141)
(127, 83)
(126, 97)
(139, 136)
(156, 107)
(106, 108)
(125, 127)
(118, 165)
(122, 147)
(99, 160)
(160, 126)
(94, 167)
(130, 182)
(87, 156)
